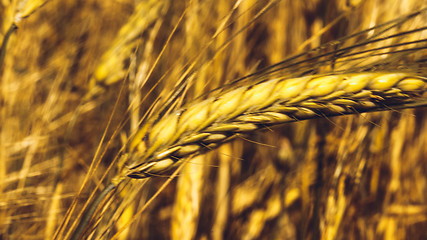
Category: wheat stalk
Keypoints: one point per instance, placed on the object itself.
(205, 125)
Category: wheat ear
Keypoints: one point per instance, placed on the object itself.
(111, 67)
(205, 125)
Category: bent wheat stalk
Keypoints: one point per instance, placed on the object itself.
(166, 139)
(204, 125)
(6, 38)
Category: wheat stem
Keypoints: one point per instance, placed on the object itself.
(6, 38)
(87, 215)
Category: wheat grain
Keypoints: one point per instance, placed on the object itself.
(204, 125)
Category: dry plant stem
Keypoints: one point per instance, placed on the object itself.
(87, 215)
(204, 125)
(94, 165)
(155, 195)
(6, 38)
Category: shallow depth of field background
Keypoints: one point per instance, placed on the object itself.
(351, 177)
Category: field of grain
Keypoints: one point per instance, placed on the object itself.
(189, 119)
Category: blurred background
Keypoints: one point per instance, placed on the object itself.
(78, 76)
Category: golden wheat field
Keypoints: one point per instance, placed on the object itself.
(228, 119)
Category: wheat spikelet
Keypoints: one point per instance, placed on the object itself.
(206, 124)
(111, 68)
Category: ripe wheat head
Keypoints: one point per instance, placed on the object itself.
(204, 125)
